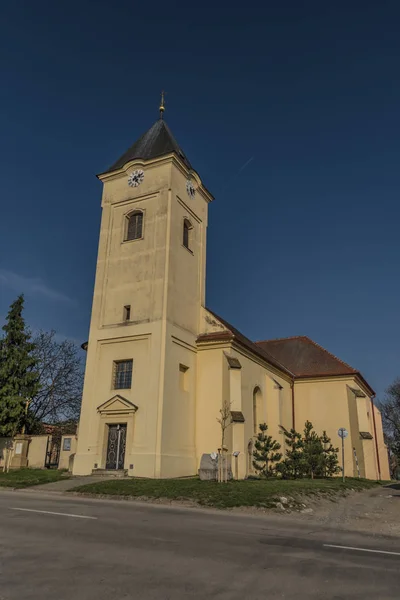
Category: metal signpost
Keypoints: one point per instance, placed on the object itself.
(343, 433)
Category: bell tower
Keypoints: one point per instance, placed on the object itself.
(138, 407)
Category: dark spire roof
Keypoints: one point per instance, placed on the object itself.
(157, 141)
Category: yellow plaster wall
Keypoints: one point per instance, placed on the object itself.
(186, 275)
(216, 381)
(37, 451)
(178, 449)
(133, 272)
(209, 323)
(164, 285)
(324, 402)
(210, 389)
(65, 455)
(330, 404)
(145, 351)
(357, 442)
(255, 375)
(382, 448)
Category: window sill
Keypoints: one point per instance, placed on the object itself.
(135, 240)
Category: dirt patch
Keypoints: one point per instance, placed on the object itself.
(376, 511)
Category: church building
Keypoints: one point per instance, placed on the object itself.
(160, 364)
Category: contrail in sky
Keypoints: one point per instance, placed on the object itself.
(242, 168)
(245, 164)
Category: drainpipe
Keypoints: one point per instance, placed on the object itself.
(293, 415)
(376, 440)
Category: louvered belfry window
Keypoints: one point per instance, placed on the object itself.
(123, 374)
(135, 226)
(187, 226)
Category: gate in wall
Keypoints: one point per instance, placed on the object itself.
(52, 453)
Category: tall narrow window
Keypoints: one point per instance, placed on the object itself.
(256, 409)
(187, 231)
(183, 378)
(127, 312)
(123, 374)
(134, 227)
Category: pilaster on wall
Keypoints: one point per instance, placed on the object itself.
(235, 399)
(235, 387)
(273, 407)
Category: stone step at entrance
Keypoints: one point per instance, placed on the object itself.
(116, 473)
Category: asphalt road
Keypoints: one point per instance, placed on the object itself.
(129, 550)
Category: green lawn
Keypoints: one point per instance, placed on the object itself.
(219, 495)
(21, 478)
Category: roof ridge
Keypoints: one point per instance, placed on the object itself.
(291, 337)
(266, 355)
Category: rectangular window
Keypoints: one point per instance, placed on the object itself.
(187, 234)
(127, 312)
(134, 229)
(183, 378)
(67, 444)
(123, 374)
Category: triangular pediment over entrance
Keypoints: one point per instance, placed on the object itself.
(117, 404)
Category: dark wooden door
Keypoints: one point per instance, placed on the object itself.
(116, 446)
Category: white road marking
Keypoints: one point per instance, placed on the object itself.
(361, 549)
(49, 512)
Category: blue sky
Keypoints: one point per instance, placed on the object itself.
(290, 113)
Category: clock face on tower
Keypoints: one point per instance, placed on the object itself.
(190, 189)
(136, 178)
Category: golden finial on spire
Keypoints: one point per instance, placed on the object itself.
(162, 105)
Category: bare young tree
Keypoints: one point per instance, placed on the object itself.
(60, 371)
(225, 420)
(390, 410)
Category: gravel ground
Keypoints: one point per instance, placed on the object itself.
(375, 511)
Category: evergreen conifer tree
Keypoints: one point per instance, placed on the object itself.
(292, 467)
(18, 378)
(313, 452)
(266, 452)
(331, 461)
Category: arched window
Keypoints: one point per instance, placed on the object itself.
(257, 398)
(187, 233)
(134, 226)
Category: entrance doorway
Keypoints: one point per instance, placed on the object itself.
(52, 453)
(116, 446)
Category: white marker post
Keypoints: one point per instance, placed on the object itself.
(343, 433)
(356, 459)
(236, 455)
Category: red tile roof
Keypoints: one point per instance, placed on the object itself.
(305, 358)
(231, 333)
(299, 356)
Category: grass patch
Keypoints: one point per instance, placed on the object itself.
(261, 494)
(21, 478)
